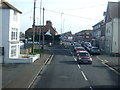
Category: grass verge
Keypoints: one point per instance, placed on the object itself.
(36, 51)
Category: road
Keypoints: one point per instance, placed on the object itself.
(62, 71)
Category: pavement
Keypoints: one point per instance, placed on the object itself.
(23, 75)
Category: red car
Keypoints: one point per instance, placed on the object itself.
(84, 57)
(79, 49)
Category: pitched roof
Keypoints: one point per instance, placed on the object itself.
(46, 29)
(6, 5)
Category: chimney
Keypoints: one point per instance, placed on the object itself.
(49, 23)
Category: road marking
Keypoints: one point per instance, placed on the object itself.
(79, 66)
(50, 59)
(75, 59)
(99, 58)
(111, 68)
(91, 88)
(84, 75)
(106, 60)
(103, 62)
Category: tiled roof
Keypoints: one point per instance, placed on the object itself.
(46, 28)
(6, 5)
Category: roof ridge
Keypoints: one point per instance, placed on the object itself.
(10, 6)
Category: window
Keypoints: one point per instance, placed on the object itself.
(87, 33)
(13, 51)
(14, 34)
(15, 16)
(87, 36)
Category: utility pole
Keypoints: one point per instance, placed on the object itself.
(61, 22)
(33, 27)
(40, 25)
(43, 29)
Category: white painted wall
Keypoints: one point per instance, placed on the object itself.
(14, 24)
(115, 36)
(5, 33)
(113, 41)
(7, 24)
(108, 37)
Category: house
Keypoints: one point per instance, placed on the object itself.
(10, 28)
(67, 36)
(48, 28)
(98, 34)
(84, 35)
(112, 30)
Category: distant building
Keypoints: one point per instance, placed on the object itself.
(112, 31)
(84, 35)
(67, 36)
(22, 36)
(39, 29)
(9, 32)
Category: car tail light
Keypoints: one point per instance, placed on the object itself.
(90, 59)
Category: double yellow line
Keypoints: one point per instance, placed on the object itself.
(50, 59)
(108, 66)
(111, 68)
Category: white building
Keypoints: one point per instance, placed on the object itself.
(112, 33)
(9, 32)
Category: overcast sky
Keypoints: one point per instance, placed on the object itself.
(77, 14)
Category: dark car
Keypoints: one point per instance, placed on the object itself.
(84, 57)
(94, 50)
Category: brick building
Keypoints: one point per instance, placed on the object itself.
(84, 35)
(39, 29)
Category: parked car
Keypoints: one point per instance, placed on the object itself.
(94, 50)
(88, 48)
(79, 49)
(86, 44)
(84, 57)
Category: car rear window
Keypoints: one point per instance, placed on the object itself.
(84, 54)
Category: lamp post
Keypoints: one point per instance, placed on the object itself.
(33, 27)
(61, 22)
(40, 25)
(43, 30)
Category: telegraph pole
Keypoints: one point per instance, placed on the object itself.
(61, 22)
(43, 29)
(33, 27)
(40, 25)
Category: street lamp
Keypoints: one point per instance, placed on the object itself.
(40, 24)
(33, 26)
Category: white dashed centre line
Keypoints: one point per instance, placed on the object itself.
(84, 75)
(79, 66)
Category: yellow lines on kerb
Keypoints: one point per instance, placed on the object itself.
(50, 59)
(104, 61)
(111, 68)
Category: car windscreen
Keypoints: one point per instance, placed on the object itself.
(84, 54)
